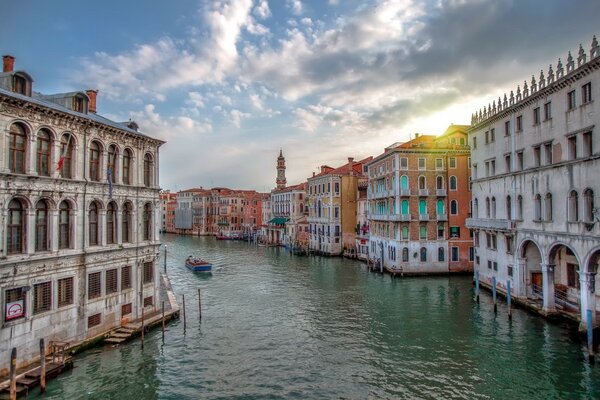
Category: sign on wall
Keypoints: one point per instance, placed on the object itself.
(15, 309)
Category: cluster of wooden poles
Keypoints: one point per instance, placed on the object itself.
(589, 324)
(13, 370)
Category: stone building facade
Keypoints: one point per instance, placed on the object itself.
(419, 199)
(535, 189)
(80, 218)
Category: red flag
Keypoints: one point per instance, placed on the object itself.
(61, 160)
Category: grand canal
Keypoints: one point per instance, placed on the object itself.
(282, 326)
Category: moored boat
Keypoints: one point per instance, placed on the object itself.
(198, 264)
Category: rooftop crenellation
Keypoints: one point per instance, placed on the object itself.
(534, 85)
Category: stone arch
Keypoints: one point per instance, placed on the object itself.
(72, 203)
(54, 135)
(26, 200)
(531, 253)
(566, 270)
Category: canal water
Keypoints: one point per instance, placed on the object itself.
(281, 326)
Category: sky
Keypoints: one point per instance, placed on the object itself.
(228, 83)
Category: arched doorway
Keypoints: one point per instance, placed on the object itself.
(567, 289)
(532, 257)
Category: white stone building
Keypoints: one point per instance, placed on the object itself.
(80, 218)
(536, 182)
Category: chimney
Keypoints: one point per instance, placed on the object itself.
(322, 168)
(8, 63)
(416, 135)
(313, 173)
(92, 96)
(351, 164)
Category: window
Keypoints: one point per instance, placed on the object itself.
(94, 320)
(441, 231)
(520, 160)
(126, 277)
(509, 244)
(453, 184)
(17, 149)
(423, 254)
(493, 135)
(423, 232)
(43, 153)
(572, 274)
(476, 208)
(548, 153)
(487, 207)
(126, 309)
(471, 253)
(537, 208)
(20, 85)
(455, 231)
(148, 169)
(422, 207)
(493, 207)
(440, 254)
(493, 167)
(586, 139)
(536, 116)
(572, 145)
(439, 182)
(41, 226)
(65, 292)
(95, 161)
(519, 213)
(403, 163)
(111, 281)
(65, 162)
(405, 254)
(454, 207)
(507, 128)
(42, 297)
(507, 162)
(487, 137)
(421, 163)
(147, 221)
(489, 264)
(405, 232)
(495, 265)
(586, 93)
(548, 207)
(93, 224)
(474, 171)
(422, 183)
(537, 156)
(148, 272)
(15, 301)
(454, 254)
(547, 111)
(148, 301)
(588, 205)
(111, 223)
(126, 223)
(16, 233)
(571, 100)
(127, 156)
(111, 168)
(439, 163)
(336, 187)
(474, 143)
(452, 162)
(94, 285)
(508, 207)
(519, 123)
(78, 104)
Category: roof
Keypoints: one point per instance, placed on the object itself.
(279, 220)
(300, 186)
(357, 168)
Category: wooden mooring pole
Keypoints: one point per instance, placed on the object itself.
(199, 304)
(163, 321)
(477, 286)
(508, 299)
(13, 374)
(494, 294)
(42, 366)
(590, 335)
(184, 320)
(142, 328)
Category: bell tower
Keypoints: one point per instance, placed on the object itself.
(281, 181)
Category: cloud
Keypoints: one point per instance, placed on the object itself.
(170, 128)
(237, 116)
(262, 10)
(295, 6)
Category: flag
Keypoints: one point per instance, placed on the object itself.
(61, 160)
(109, 178)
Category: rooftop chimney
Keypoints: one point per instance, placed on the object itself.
(350, 164)
(8, 63)
(313, 173)
(322, 168)
(92, 96)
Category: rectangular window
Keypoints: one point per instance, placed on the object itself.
(586, 93)
(536, 116)
(520, 123)
(42, 297)
(474, 171)
(474, 143)
(493, 135)
(421, 163)
(65, 292)
(537, 156)
(111, 281)
(94, 320)
(440, 231)
(487, 137)
(572, 276)
(477, 260)
(148, 275)
(452, 162)
(548, 153)
(507, 163)
(403, 163)
(126, 309)
(572, 145)
(586, 144)
(509, 244)
(471, 253)
(422, 232)
(454, 253)
(507, 128)
(494, 242)
(15, 303)
(455, 231)
(439, 163)
(520, 160)
(493, 167)
(571, 100)
(94, 285)
(489, 263)
(547, 111)
(337, 187)
(495, 266)
(148, 301)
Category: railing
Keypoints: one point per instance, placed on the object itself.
(561, 297)
(440, 192)
(537, 290)
(400, 217)
(442, 217)
(405, 192)
(423, 192)
(423, 217)
(486, 223)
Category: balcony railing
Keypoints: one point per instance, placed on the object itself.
(486, 223)
(442, 217)
(423, 192)
(440, 192)
(399, 217)
(423, 217)
(405, 192)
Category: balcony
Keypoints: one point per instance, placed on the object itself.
(486, 223)
(381, 194)
(442, 217)
(405, 192)
(379, 217)
(399, 217)
(440, 192)
(423, 192)
(423, 217)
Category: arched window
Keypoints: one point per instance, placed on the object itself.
(440, 254)
(454, 207)
(148, 166)
(440, 207)
(548, 207)
(453, 183)
(537, 205)
(405, 232)
(422, 183)
(147, 221)
(422, 207)
(405, 254)
(41, 226)
(404, 207)
(94, 227)
(588, 205)
(508, 207)
(65, 163)
(111, 223)
(439, 182)
(476, 208)
(404, 182)
(17, 149)
(127, 156)
(487, 207)
(573, 206)
(111, 167)
(520, 207)
(126, 223)
(423, 254)
(493, 207)
(16, 233)
(95, 161)
(44, 144)
(64, 225)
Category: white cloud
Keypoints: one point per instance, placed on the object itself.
(170, 127)
(237, 116)
(196, 99)
(262, 10)
(295, 6)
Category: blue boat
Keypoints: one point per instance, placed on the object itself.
(198, 264)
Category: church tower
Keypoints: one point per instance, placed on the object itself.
(281, 181)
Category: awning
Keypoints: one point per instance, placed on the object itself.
(279, 220)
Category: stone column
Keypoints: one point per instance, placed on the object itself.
(519, 279)
(53, 229)
(30, 156)
(119, 230)
(54, 172)
(587, 298)
(102, 227)
(30, 226)
(548, 286)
